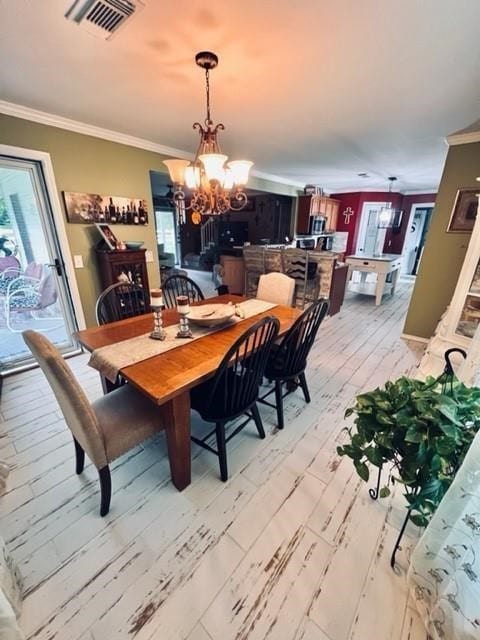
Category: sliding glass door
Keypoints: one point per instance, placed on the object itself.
(34, 291)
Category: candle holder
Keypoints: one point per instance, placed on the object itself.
(183, 308)
(156, 304)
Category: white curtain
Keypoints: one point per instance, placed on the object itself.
(444, 574)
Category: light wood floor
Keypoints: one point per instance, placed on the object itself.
(291, 548)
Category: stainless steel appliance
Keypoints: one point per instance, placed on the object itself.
(326, 243)
(317, 225)
(306, 243)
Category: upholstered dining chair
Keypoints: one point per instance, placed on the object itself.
(121, 300)
(277, 288)
(233, 390)
(288, 359)
(104, 429)
(178, 285)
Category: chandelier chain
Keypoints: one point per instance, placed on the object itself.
(207, 86)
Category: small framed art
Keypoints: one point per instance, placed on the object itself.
(464, 211)
(108, 235)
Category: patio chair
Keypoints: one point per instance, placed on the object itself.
(29, 295)
(288, 359)
(178, 285)
(10, 269)
(233, 390)
(104, 429)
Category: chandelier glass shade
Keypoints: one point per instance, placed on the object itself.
(387, 213)
(216, 186)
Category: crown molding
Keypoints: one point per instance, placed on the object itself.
(421, 192)
(274, 178)
(52, 120)
(42, 117)
(409, 192)
(463, 138)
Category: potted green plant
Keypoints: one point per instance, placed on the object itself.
(421, 429)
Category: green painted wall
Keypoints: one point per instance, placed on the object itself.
(92, 165)
(444, 252)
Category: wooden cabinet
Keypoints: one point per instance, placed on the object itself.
(337, 288)
(233, 273)
(330, 208)
(303, 214)
(115, 266)
(317, 205)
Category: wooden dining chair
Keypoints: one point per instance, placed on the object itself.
(297, 265)
(288, 359)
(178, 285)
(104, 429)
(233, 390)
(121, 300)
(254, 261)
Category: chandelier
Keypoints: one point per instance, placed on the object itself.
(386, 215)
(216, 186)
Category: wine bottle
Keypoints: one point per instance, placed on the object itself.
(136, 218)
(111, 211)
(127, 216)
(102, 215)
(142, 213)
(113, 215)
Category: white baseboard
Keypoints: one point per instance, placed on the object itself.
(407, 336)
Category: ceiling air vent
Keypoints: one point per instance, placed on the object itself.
(103, 17)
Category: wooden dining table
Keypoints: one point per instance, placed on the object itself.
(168, 377)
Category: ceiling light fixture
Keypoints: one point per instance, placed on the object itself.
(217, 186)
(386, 214)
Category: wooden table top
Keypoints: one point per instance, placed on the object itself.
(165, 376)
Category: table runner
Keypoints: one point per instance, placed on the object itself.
(111, 359)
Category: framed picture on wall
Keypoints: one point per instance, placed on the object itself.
(108, 235)
(464, 211)
(85, 208)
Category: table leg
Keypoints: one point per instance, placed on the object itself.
(381, 278)
(176, 417)
(395, 275)
(107, 386)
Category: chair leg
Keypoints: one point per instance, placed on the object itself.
(105, 490)
(303, 383)
(258, 421)
(79, 457)
(279, 403)
(222, 450)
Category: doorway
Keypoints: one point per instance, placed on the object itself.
(34, 288)
(371, 238)
(417, 229)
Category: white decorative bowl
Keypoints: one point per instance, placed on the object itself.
(210, 315)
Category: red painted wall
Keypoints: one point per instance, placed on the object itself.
(347, 200)
(356, 200)
(398, 239)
